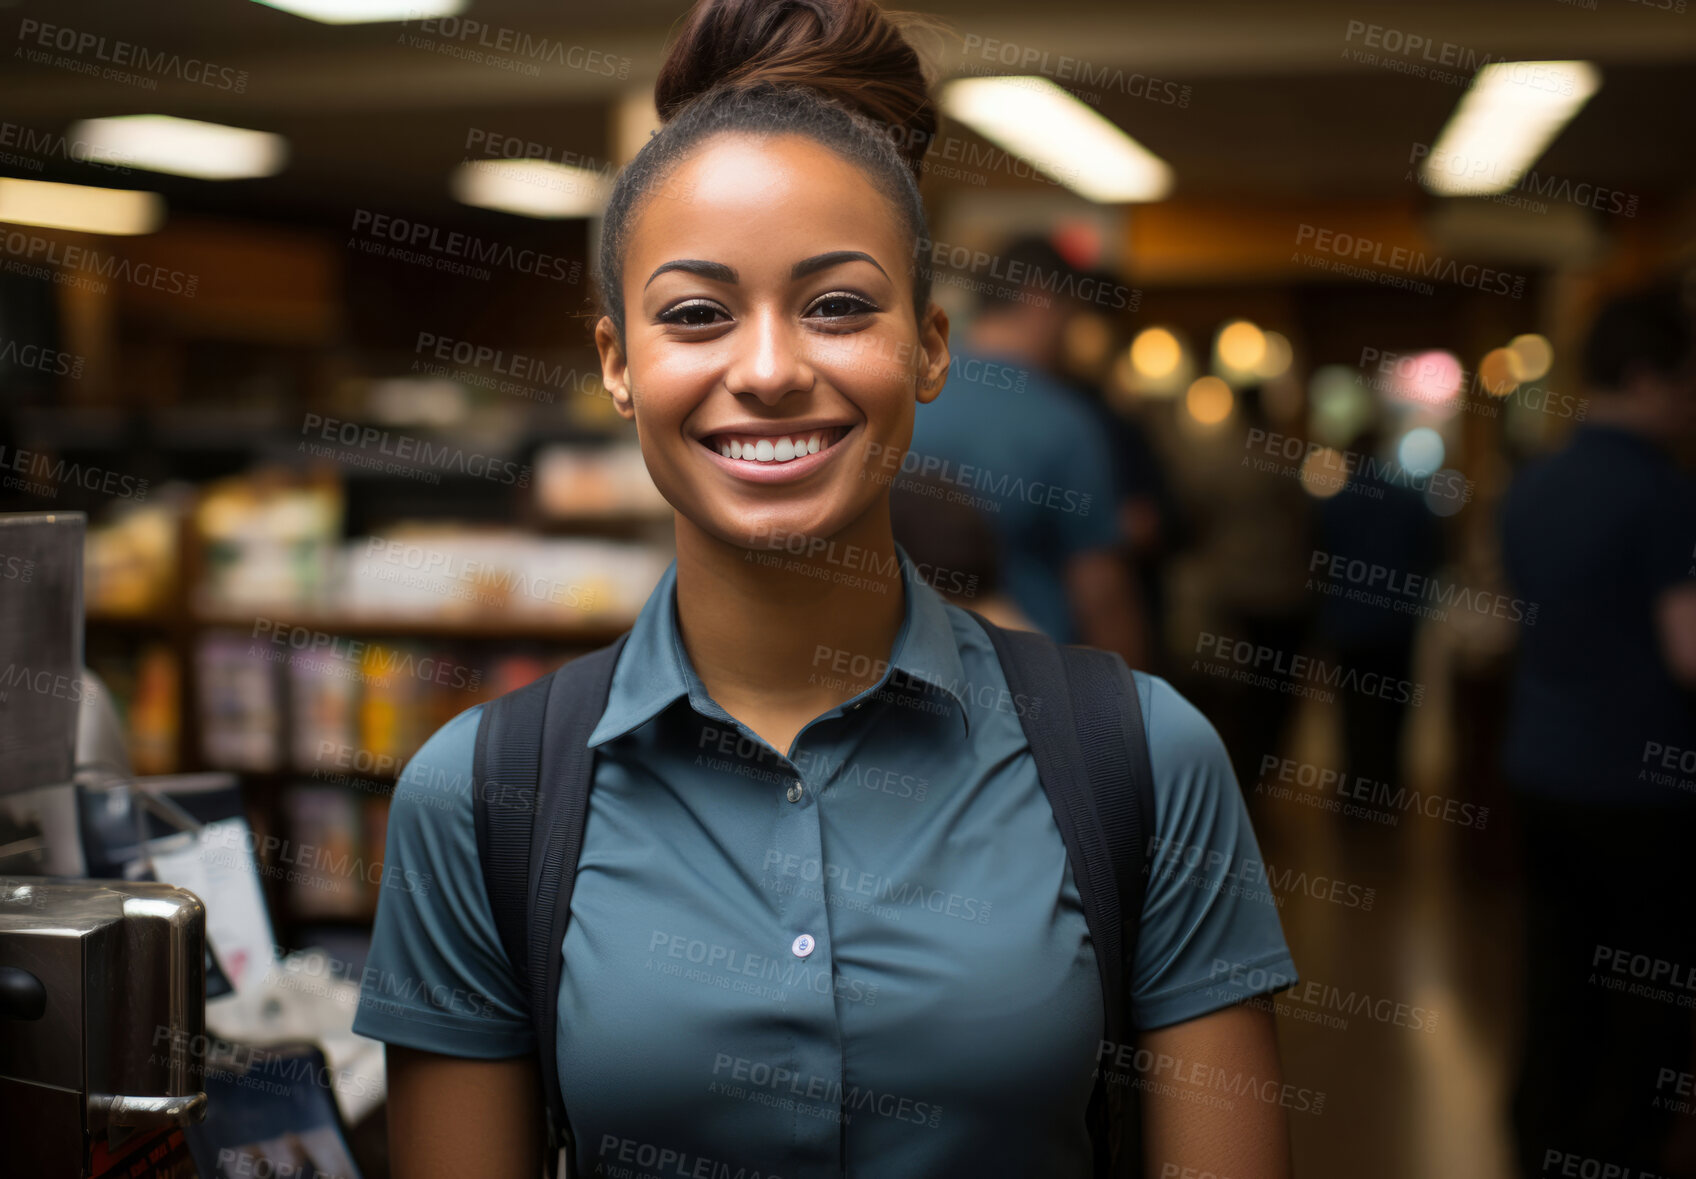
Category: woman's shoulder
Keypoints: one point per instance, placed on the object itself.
(438, 777)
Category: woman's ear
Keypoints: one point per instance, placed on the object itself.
(933, 346)
(615, 367)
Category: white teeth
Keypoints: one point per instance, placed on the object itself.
(783, 450)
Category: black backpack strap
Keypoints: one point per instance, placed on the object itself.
(1083, 719)
(532, 774)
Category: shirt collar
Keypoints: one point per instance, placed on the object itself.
(654, 668)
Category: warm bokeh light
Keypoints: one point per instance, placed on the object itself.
(1276, 356)
(81, 207)
(1155, 353)
(1498, 372)
(1240, 345)
(1323, 473)
(1535, 354)
(1086, 342)
(1209, 400)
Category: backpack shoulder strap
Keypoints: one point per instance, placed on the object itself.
(1084, 723)
(531, 777)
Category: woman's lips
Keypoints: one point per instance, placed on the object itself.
(806, 450)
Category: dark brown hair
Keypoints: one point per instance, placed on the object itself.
(839, 72)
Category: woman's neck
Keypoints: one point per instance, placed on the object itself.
(774, 632)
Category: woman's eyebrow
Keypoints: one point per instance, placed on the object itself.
(817, 262)
(717, 271)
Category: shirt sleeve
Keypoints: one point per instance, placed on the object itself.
(1210, 934)
(437, 977)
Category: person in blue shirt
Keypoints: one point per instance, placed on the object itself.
(1029, 453)
(1599, 539)
(824, 923)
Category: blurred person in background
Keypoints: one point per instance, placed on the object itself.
(954, 548)
(1035, 452)
(1600, 537)
(1256, 540)
(1151, 520)
(1381, 522)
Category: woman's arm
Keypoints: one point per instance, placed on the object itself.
(1243, 1136)
(450, 1116)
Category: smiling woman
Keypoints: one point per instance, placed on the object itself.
(826, 916)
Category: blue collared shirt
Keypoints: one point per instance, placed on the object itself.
(885, 972)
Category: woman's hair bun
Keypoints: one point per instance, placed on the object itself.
(850, 51)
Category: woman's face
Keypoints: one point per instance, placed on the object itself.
(770, 314)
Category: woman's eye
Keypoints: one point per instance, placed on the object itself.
(691, 314)
(840, 305)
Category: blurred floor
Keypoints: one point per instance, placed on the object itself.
(1441, 934)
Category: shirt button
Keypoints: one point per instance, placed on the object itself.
(859, 704)
(795, 792)
(803, 945)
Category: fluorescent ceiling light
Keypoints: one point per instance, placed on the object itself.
(530, 188)
(1037, 120)
(184, 147)
(1512, 112)
(80, 207)
(359, 12)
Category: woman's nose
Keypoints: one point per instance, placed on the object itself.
(768, 360)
